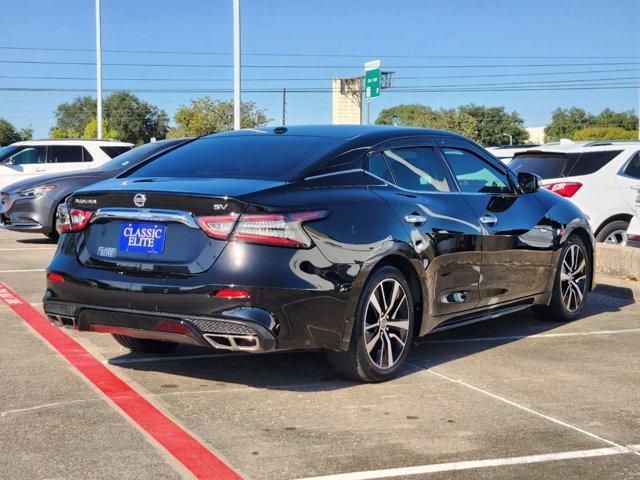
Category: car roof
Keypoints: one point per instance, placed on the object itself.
(73, 141)
(345, 132)
(568, 146)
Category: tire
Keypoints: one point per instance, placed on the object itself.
(567, 306)
(144, 345)
(53, 235)
(617, 226)
(357, 363)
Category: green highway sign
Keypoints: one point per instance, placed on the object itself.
(372, 79)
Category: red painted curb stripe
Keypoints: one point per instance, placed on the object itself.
(196, 458)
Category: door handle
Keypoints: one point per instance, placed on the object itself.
(414, 219)
(488, 219)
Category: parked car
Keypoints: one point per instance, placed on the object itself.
(37, 157)
(30, 205)
(352, 239)
(506, 152)
(596, 176)
(633, 232)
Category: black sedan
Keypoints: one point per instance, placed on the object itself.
(30, 205)
(352, 239)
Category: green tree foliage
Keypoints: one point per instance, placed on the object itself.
(91, 130)
(495, 125)
(486, 125)
(565, 123)
(205, 115)
(72, 117)
(10, 134)
(134, 120)
(605, 133)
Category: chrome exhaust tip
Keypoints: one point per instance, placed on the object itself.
(235, 343)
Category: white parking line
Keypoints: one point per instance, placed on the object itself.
(26, 248)
(537, 335)
(521, 407)
(493, 462)
(23, 271)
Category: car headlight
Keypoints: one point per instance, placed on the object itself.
(36, 192)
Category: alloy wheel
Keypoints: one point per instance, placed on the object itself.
(617, 237)
(573, 277)
(386, 323)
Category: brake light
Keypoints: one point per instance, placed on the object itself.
(564, 189)
(218, 226)
(232, 293)
(72, 219)
(281, 229)
(55, 277)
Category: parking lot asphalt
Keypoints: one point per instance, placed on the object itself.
(515, 397)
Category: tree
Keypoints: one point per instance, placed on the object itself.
(91, 130)
(486, 125)
(605, 133)
(495, 125)
(10, 134)
(72, 117)
(565, 123)
(136, 121)
(205, 115)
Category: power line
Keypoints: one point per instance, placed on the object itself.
(454, 89)
(312, 67)
(318, 55)
(301, 79)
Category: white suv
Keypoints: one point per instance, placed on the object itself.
(596, 176)
(36, 157)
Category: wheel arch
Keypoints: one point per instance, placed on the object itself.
(403, 258)
(585, 236)
(619, 216)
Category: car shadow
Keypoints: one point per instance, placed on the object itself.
(309, 370)
(38, 241)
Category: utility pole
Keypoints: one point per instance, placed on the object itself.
(236, 64)
(99, 68)
(284, 106)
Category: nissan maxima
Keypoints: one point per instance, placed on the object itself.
(352, 239)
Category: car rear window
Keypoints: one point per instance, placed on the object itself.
(264, 157)
(591, 162)
(546, 165)
(113, 152)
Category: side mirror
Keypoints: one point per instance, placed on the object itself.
(528, 182)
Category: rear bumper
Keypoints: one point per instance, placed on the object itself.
(219, 333)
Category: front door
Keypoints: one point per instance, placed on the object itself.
(517, 240)
(412, 178)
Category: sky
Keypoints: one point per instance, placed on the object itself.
(529, 56)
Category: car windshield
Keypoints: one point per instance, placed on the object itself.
(132, 157)
(545, 165)
(263, 157)
(6, 152)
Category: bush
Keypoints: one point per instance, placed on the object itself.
(605, 133)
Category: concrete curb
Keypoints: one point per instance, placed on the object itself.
(617, 287)
(617, 261)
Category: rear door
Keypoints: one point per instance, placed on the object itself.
(412, 178)
(517, 240)
(629, 180)
(63, 158)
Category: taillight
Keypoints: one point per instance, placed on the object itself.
(564, 189)
(72, 219)
(233, 293)
(218, 226)
(281, 229)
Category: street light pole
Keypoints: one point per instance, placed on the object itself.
(236, 65)
(510, 138)
(99, 69)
